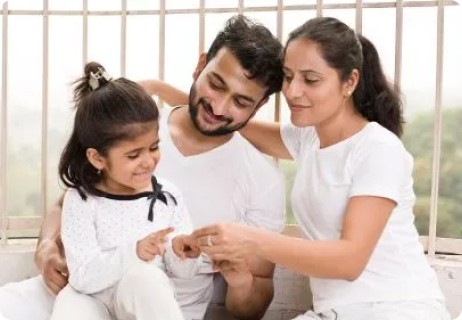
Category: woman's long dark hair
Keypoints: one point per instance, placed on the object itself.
(374, 97)
(110, 111)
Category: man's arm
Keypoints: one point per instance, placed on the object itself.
(249, 286)
(171, 95)
(49, 255)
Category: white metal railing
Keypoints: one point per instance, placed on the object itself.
(433, 244)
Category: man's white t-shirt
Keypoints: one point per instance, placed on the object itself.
(231, 183)
(373, 162)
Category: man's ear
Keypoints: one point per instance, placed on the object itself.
(95, 158)
(262, 103)
(201, 63)
(259, 105)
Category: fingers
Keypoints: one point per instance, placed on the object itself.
(162, 233)
(61, 266)
(55, 280)
(208, 230)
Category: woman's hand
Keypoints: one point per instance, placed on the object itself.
(227, 241)
(153, 245)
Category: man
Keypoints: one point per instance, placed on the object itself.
(222, 177)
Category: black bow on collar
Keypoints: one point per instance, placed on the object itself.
(157, 193)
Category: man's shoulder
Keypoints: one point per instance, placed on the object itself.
(253, 158)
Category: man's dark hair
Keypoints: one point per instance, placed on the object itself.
(256, 49)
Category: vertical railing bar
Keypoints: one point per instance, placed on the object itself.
(3, 128)
(123, 39)
(319, 8)
(240, 7)
(84, 33)
(279, 30)
(359, 17)
(398, 44)
(437, 131)
(161, 44)
(44, 128)
(201, 26)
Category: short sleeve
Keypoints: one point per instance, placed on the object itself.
(382, 172)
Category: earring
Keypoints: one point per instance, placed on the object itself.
(98, 172)
(348, 94)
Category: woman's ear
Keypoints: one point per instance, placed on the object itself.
(95, 159)
(351, 83)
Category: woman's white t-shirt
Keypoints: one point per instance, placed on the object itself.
(372, 162)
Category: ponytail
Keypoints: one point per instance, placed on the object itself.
(75, 171)
(374, 96)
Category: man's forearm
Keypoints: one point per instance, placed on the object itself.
(50, 230)
(250, 302)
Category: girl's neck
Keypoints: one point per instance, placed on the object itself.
(109, 187)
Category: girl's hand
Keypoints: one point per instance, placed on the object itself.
(151, 246)
(186, 246)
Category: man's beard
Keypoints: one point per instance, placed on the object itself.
(223, 130)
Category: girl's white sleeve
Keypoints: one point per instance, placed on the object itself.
(91, 268)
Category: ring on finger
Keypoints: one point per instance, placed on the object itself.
(209, 241)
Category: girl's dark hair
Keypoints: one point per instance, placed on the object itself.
(110, 111)
(344, 51)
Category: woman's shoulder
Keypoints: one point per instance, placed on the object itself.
(378, 136)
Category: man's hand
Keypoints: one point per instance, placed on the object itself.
(186, 247)
(53, 265)
(153, 245)
(236, 273)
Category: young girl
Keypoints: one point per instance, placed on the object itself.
(118, 219)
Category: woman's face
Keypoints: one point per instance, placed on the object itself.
(312, 88)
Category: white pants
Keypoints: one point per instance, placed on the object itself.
(26, 300)
(404, 310)
(143, 293)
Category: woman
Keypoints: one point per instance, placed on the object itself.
(352, 194)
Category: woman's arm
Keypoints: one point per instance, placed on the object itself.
(266, 137)
(345, 258)
(171, 95)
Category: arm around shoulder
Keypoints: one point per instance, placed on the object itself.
(168, 93)
(266, 137)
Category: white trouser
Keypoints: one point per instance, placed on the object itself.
(143, 293)
(26, 300)
(403, 310)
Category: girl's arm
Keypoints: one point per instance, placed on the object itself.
(91, 268)
(266, 137)
(171, 95)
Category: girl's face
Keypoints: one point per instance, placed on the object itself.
(129, 164)
(312, 88)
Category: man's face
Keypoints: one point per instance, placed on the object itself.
(223, 99)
